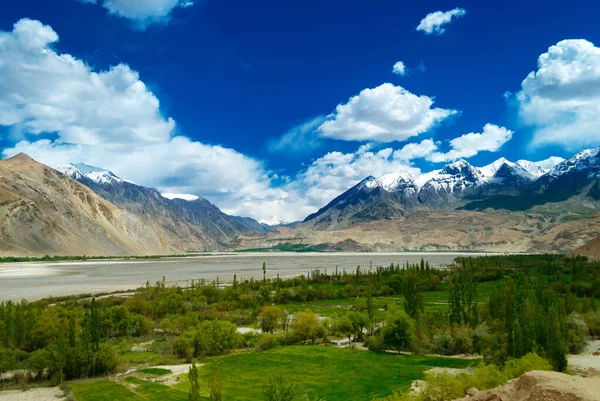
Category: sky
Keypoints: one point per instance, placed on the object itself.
(274, 108)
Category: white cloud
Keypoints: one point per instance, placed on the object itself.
(434, 23)
(336, 172)
(490, 140)
(142, 12)
(300, 138)
(416, 150)
(384, 114)
(399, 68)
(64, 112)
(187, 197)
(562, 98)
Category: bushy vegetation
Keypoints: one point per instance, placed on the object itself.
(502, 307)
(440, 385)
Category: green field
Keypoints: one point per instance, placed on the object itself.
(104, 390)
(433, 301)
(333, 373)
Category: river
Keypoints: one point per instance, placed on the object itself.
(38, 280)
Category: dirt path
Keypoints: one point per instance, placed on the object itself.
(36, 394)
(586, 359)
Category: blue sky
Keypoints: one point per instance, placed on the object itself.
(236, 101)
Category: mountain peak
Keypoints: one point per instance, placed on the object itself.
(99, 175)
(21, 157)
(369, 183)
(393, 181)
(273, 221)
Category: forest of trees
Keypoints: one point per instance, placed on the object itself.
(544, 304)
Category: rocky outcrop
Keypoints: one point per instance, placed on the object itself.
(591, 250)
(542, 386)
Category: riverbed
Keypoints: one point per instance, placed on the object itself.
(38, 280)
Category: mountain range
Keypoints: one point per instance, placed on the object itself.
(82, 209)
(548, 206)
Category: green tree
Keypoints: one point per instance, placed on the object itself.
(272, 318)
(413, 296)
(306, 326)
(345, 327)
(399, 332)
(279, 389)
(194, 393)
(371, 312)
(214, 384)
(216, 337)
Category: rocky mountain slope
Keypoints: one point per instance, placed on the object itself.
(199, 217)
(44, 212)
(591, 250)
(458, 230)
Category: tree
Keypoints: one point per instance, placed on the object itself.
(264, 269)
(194, 393)
(413, 297)
(371, 313)
(214, 384)
(272, 318)
(359, 323)
(344, 326)
(279, 389)
(398, 332)
(38, 362)
(216, 337)
(306, 326)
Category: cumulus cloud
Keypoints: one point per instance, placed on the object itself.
(384, 114)
(434, 22)
(399, 68)
(562, 98)
(336, 172)
(142, 12)
(491, 139)
(64, 112)
(413, 151)
(300, 138)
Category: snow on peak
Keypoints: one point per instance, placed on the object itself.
(582, 161)
(187, 197)
(273, 221)
(97, 174)
(369, 183)
(393, 181)
(538, 169)
(491, 169)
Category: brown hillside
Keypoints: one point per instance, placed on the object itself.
(44, 212)
(591, 250)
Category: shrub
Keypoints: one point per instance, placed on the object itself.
(517, 367)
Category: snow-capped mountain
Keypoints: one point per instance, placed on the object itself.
(501, 184)
(188, 214)
(274, 221)
(99, 175)
(587, 161)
